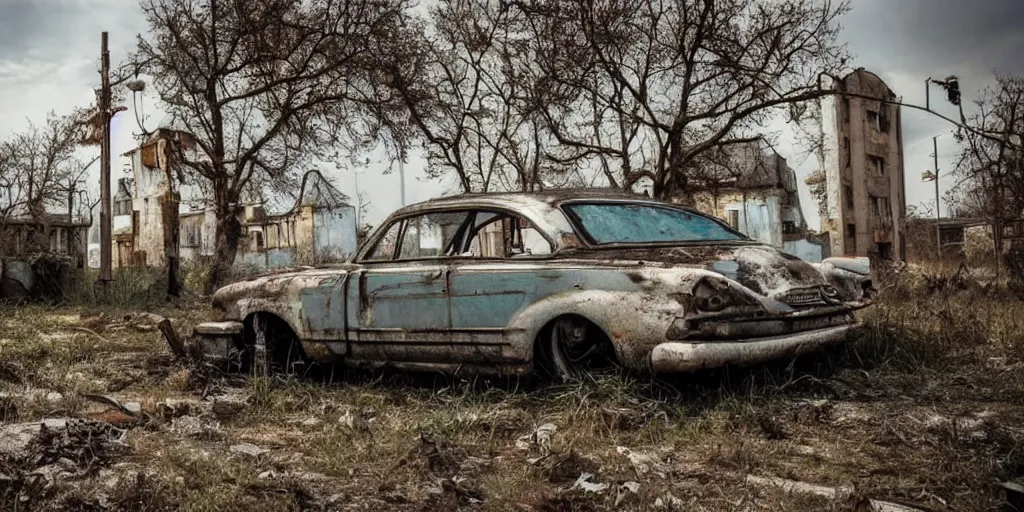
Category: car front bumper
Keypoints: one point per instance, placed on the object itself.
(673, 357)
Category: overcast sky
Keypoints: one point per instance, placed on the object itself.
(49, 55)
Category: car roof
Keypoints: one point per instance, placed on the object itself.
(540, 207)
(551, 197)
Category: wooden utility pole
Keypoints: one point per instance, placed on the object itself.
(105, 242)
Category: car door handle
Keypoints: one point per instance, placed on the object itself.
(434, 276)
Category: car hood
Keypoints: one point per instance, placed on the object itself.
(761, 268)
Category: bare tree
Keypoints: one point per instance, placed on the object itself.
(671, 79)
(263, 87)
(39, 168)
(473, 92)
(990, 171)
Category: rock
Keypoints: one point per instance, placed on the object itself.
(54, 397)
(133, 407)
(227, 408)
(248, 449)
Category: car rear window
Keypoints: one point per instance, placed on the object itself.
(611, 223)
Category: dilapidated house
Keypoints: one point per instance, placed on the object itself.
(40, 254)
(319, 225)
(754, 190)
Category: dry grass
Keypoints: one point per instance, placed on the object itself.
(925, 410)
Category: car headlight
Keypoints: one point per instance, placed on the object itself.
(712, 296)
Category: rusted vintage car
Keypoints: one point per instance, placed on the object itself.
(555, 282)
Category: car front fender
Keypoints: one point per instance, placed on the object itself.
(634, 321)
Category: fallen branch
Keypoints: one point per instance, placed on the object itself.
(832, 493)
(90, 331)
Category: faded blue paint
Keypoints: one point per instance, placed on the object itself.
(323, 308)
(334, 233)
(412, 299)
(486, 297)
(805, 250)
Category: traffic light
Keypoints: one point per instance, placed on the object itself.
(952, 86)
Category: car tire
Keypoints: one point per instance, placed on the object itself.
(575, 348)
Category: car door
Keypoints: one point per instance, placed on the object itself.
(502, 272)
(397, 303)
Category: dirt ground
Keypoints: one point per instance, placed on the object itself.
(926, 411)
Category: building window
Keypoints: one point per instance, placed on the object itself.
(873, 120)
(877, 164)
(190, 235)
(846, 151)
(880, 207)
(788, 227)
(846, 110)
(848, 194)
(258, 237)
(733, 218)
(851, 230)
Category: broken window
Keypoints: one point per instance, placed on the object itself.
(431, 235)
(733, 218)
(873, 120)
(848, 194)
(851, 230)
(499, 235)
(789, 227)
(385, 248)
(877, 165)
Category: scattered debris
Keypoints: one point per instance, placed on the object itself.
(563, 467)
(196, 428)
(248, 449)
(668, 502)
(626, 490)
(354, 422)
(585, 483)
(541, 438)
(793, 486)
(643, 462)
(55, 451)
(134, 411)
(831, 493)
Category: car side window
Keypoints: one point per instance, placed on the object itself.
(385, 248)
(431, 235)
(505, 236)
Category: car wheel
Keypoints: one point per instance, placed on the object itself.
(576, 348)
(275, 350)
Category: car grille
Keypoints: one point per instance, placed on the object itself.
(804, 297)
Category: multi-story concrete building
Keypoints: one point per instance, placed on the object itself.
(861, 157)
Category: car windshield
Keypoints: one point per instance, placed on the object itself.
(611, 223)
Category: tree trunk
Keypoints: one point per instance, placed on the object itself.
(227, 235)
(172, 236)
